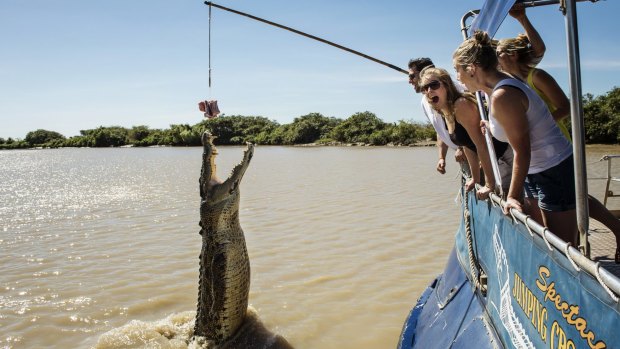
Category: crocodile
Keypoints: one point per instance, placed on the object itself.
(223, 318)
(224, 282)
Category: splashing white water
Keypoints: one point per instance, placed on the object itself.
(173, 332)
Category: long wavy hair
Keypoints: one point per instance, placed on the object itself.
(452, 93)
(520, 46)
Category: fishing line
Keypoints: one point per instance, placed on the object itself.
(308, 36)
(209, 50)
(209, 106)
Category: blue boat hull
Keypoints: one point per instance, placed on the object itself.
(532, 297)
(448, 315)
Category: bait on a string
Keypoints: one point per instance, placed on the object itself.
(209, 107)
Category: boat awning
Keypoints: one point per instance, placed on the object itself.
(491, 16)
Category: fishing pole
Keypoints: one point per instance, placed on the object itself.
(308, 36)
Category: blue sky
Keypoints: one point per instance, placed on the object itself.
(69, 65)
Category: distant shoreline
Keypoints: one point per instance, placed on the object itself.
(612, 148)
(360, 144)
(307, 145)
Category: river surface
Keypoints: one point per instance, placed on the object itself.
(99, 247)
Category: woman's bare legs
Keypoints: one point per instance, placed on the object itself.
(531, 208)
(563, 224)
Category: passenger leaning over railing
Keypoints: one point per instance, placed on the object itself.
(461, 121)
(517, 58)
(543, 162)
(416, 65)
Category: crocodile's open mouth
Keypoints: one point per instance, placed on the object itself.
(208, 176)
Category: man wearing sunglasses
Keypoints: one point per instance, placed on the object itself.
(416, 65)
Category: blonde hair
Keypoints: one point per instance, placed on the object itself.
(520, 46)
(479, 49)
(452, 93)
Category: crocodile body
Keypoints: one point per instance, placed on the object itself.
(224, 283)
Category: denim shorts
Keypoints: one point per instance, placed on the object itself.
(554, 188)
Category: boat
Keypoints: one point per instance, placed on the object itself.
(510, 282)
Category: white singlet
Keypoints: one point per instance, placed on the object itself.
(548, 146)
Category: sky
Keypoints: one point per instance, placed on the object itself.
(71, 65)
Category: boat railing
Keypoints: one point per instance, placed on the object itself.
(580, 262)
(610, 179)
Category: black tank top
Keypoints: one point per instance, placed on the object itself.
(461, 138)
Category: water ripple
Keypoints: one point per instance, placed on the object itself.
(100, 246)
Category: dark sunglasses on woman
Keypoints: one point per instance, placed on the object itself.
(435, 84)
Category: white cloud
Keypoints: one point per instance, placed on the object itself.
(585, 64)
(602, 64)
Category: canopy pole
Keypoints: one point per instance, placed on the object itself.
(308, 36)
(484, 116)
(464, 26)
(577, 123)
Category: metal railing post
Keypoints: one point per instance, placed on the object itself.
(577, 122)
(608, 182)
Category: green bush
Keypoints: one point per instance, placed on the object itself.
(601, 116)
(357, 128)
(41, 137)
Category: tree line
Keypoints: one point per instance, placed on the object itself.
(601, 116)
(363, 127)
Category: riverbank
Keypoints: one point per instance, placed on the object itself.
(608, 148)
(326, 144)
(361, 144)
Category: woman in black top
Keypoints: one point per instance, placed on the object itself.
(460, 113)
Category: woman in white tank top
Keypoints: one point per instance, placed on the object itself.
(542, 155)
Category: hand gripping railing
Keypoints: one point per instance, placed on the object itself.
(609, 282)
(483, 116)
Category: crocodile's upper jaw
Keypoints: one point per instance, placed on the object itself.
(211, 188)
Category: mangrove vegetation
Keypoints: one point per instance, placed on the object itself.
(360, 128)
(601, 113)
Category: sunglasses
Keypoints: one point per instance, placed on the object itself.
(412, 76)
(433, 85)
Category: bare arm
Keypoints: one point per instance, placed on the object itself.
(546, 84)
(509, 107)
(474, 166)
(538, 45)
(467, 115)
(443, 151)
(458, 155)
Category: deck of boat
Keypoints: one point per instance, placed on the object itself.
(603, 246)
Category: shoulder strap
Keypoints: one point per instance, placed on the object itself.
(530, 78)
